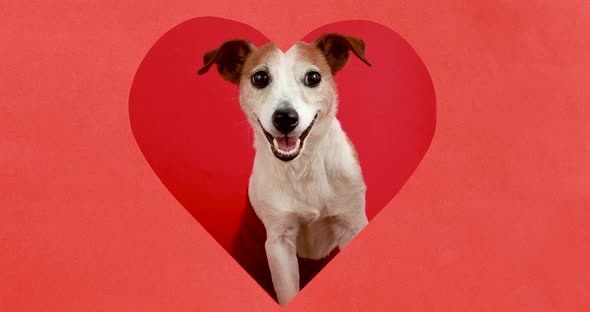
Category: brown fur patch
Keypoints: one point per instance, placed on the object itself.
(335, 48)
(309, 53)
(257, 57)
(313, 55)
(229, 59)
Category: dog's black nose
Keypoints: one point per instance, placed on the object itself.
(285, 119)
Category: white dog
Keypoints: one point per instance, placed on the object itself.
(306, 185)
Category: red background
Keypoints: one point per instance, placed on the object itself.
(494, 219)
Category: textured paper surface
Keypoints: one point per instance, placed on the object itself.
(494, 219)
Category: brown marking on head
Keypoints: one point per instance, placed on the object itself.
(229, 58)
(335, 48)
(313, 55)
(309, 53)
(258, 56)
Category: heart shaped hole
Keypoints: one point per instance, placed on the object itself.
(195, 137)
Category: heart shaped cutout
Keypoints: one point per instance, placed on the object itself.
(195, 137)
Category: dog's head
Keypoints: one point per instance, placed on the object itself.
(286, 95)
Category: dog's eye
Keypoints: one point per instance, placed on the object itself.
(260, 79)
(312, 79)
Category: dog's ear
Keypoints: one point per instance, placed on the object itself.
(336, 47)
(229, 58)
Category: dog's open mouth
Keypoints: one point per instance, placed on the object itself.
(286, 147)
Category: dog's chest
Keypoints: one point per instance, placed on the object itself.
(311, 187)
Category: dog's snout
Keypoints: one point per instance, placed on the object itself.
(285, 119)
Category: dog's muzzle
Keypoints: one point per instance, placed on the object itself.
(286, 147)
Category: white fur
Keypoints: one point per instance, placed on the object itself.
(316, 202)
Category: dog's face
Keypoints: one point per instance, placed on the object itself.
(286, 95)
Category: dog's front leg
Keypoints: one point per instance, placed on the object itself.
(282, 260)
(352, 217)
(350, 228)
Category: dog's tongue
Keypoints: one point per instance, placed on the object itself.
(286, 144)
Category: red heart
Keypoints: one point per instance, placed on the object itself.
(185, 124)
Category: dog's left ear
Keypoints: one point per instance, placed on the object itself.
(336, 47)
(230, 59)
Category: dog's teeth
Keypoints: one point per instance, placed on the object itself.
(294, 150)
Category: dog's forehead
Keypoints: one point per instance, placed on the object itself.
(304, 52)
(309, 54)
(261, 55)
(300, 53)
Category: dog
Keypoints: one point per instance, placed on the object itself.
(306, 184)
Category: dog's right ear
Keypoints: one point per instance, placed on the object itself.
(229, 58)
(336, 47)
